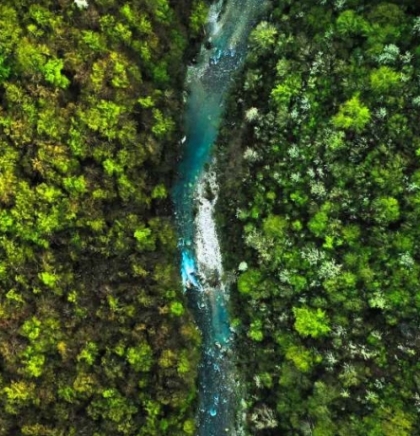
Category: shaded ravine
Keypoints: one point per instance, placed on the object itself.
(195, 195)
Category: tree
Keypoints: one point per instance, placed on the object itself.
(249, 281)
(140, 357)
(386, 210)
(311, 322)
(389, 421)
(198, 17)
(18, 394)
(352, 115)
(318, 223)
(301, 357)
(384, 79)
(255, 331)
(177, 308)
(263, 37)
(274, 226)
(350, 24)
(52, 73)
(10, 29)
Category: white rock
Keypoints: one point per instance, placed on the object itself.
(207, 247)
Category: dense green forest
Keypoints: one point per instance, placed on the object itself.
(319, 170)
(320, 209)
(94, 335)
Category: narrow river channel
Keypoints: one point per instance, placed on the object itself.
(195, 196)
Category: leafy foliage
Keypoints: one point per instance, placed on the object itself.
(311, 322)
(319, 164)
(94, 338)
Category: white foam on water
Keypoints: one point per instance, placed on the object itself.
(207, 247)
(213, 18)
(188, 272)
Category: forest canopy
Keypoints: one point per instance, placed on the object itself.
(319, 173)
(94, 335)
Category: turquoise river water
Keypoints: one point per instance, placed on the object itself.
(195, 195)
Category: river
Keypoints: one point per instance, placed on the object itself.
(195, 196)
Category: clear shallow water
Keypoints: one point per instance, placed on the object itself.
(195, 195)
